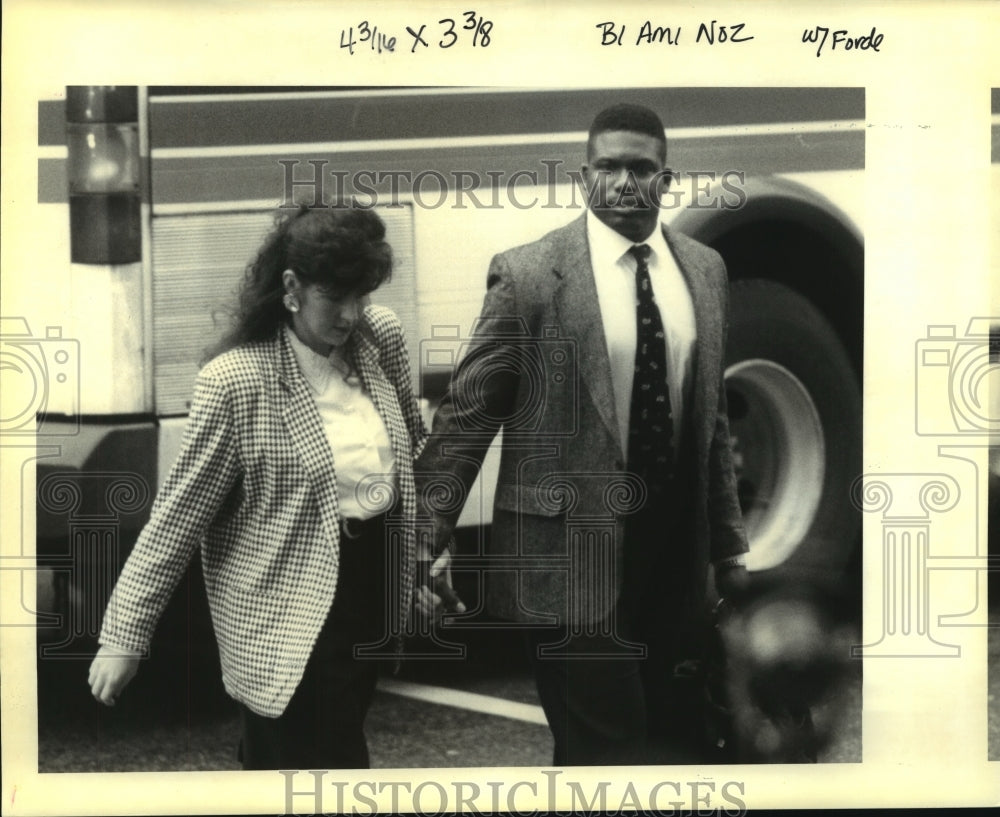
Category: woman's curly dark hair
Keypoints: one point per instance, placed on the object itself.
(341, 249)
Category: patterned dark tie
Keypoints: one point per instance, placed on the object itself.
(650, 418)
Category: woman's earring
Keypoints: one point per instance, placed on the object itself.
(291, 304)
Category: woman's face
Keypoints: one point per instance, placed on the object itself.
(323, 321)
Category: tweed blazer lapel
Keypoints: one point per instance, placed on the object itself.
(305, 430)
(579, 314)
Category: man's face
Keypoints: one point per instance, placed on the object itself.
(625, 177)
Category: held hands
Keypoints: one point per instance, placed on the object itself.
(110, 672)
(434, 594)
(732, 583)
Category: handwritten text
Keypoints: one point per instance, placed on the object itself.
(711, 33)
(841, 39)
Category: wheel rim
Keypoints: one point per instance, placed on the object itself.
(779, 456)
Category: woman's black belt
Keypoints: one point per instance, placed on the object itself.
(352, 528)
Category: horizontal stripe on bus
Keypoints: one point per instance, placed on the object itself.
(572, 139)
(208, 121)
(239, 178)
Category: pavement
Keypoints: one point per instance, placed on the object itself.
(479, 712)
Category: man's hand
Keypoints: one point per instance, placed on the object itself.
(440, 575)
(110, 672)
(434, 590)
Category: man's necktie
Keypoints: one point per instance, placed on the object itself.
(650, 419)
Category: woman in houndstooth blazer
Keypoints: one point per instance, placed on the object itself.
(295, 472)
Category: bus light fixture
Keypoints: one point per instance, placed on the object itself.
(103, 172)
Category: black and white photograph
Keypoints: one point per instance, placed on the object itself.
(493, 411)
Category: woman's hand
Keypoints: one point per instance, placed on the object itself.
(110, 672)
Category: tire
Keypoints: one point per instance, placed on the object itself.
(795, 421)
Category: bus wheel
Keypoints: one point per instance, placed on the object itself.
(795, 423)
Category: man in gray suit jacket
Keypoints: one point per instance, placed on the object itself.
(616, 490)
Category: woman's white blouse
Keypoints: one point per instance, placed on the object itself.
(362, 454)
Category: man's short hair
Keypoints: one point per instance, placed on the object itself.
(627, 117)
